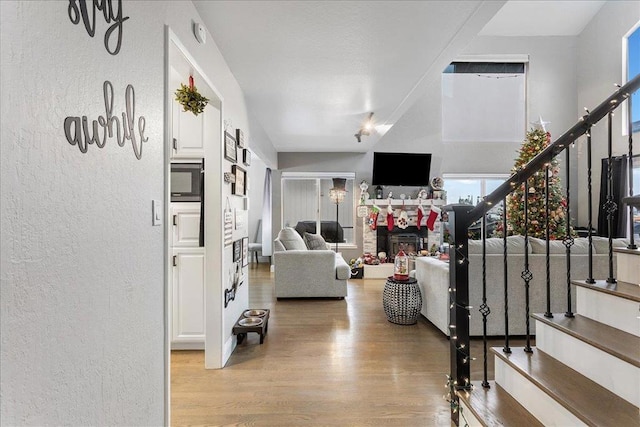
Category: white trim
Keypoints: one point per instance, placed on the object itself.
(172, 38)
(310, 175)
(446, 176)
(515, 58)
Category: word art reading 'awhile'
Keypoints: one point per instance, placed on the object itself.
(80, 133)
(78, 10)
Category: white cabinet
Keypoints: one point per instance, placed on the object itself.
(188, 134)
(185, 228)
(187, 298)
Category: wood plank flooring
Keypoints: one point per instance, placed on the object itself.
(323, 363)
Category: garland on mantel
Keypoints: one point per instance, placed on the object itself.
(190, 98)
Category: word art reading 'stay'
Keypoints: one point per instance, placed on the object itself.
(78, 10)
(79, 132)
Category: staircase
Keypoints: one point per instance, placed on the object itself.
(584, 370)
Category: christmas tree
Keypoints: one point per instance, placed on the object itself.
(537, 139)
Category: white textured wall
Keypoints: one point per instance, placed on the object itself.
(551, 92)
(82, 283)
(599, 67)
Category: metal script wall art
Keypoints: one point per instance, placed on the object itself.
(78, 10)
(80, 132)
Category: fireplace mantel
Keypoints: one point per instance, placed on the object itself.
(370, 237)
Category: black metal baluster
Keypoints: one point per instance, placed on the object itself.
(610, 206)
(547, 243)
(568, 238)
(632, 244)
(484, 308)
(590, 279)
(506, 348)
(526, 273)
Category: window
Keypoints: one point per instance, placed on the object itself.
(306, 204)
(632, 42)
(484, 102)
(471, 189)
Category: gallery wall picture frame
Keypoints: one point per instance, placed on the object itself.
(237, 250)
(230, 149)
(239, 188)
(246, 157)
(245, 251)
(240, 138)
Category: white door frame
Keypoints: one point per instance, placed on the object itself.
(214, 244)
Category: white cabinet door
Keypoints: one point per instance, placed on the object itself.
(188, 140)
(188, 296)
(185, 229)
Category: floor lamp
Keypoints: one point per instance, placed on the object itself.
(337, 194)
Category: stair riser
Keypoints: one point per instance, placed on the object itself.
(614, 374)
(468, 416)
(616, 312)
(536, 401)
(628, 266)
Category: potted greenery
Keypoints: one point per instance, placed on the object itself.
(190, 98)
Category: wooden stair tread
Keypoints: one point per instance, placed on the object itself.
(584, 398)
(496, 407)
(621, 289)
(623, 345)
(627, 251)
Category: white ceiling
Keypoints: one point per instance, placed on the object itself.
(311, 71)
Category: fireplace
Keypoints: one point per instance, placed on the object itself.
(412, 239)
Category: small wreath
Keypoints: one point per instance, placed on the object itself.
(190, 98)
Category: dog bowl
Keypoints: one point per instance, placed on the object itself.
(254, 313)
(250, 321)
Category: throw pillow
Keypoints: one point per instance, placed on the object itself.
(291, 240)
(315, 242)
(601, 244)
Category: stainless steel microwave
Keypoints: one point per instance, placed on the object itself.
(187, 182)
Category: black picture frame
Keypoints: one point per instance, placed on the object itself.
(240, 138)
(239, 188)
(245, 251)
(246, 157)
(237, 250)
(230, 148)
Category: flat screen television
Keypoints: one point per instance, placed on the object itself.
(408, 169)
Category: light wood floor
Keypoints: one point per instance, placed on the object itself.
(323, 363)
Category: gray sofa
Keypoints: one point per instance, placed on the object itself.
(433, 280)
(301, 272)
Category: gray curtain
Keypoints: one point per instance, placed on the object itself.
(267, 244)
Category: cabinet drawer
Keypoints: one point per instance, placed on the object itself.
(185, 229)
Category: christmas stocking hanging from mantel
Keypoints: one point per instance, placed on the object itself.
(390, 223)
(373, 217)
(434, 213)
(420, 215)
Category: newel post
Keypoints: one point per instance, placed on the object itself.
(458, 225)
